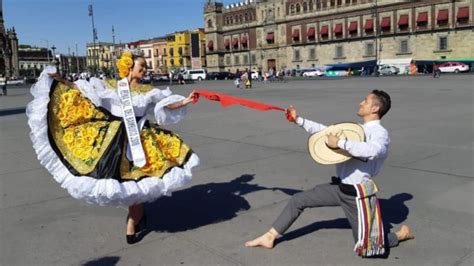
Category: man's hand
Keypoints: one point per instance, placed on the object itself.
(332, 141)
(291, 114)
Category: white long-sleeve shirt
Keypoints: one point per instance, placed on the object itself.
(369, 155)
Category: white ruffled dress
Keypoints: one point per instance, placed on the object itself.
(107, 191)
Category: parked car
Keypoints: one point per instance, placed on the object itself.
(313, 73)
(388, 70)
(450, 67)
(220, 75)
(15, 81)
(160, 76)
(195, 74)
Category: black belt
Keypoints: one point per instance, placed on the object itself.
(345, 188)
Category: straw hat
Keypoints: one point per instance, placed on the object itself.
(322, 154)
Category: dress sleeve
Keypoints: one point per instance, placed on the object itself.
(90, 89)
(164, 115)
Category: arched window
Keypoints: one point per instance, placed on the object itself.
(310, 4)
(298, 8)
(305, 7)
(241, 18)
(292, 9)
(246, 17)
(209, 23)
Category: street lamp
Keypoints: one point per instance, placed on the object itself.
(250, 56)
(77, 60)
(54, 54)
(94, 38)
(376, 35)
(47, 48)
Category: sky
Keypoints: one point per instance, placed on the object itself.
(63, 23)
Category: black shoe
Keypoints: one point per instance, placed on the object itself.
(141, 226)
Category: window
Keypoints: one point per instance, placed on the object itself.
(246, 59)
(236, 60)
(209, 23)
(172, 62)
(369, 49)
(339, 2)
(310, 4)
(422, 20)
(292, 9)
(312, 53)
(254, 59)
(171, 51)
(227, 60)
(298, 8)
(404, 46)
(339, 51)
(296, 55)
(443, 43)
(305, 7)
(333, 3)
(318, 4)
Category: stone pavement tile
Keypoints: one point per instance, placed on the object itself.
(59, 232)
(12, 162)
(176, 249)
(466, 260)
(226, 153)
(28, 187)
(455, 198)
(400, 189)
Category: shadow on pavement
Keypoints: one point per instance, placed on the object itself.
(104, 261)
(203, 205)
(13, 111)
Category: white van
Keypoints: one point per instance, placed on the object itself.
(195, 74)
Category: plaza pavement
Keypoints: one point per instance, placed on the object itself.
(251, 162)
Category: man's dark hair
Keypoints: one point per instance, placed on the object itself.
(384, 100)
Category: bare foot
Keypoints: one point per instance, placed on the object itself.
(404, 233)
(266, 241)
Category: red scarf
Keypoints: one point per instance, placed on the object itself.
(227, 100)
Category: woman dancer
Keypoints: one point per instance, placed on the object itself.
(103, 140)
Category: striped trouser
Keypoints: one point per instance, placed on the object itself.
(324, 195)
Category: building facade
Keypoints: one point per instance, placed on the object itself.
(9, 61)
(278, 34)
(154, 51)
(33, 60)
(102, 56)
(159, 55)
(179, 49)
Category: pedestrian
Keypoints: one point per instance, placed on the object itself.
(100, 144)
(248, 81)
(4, 87)
(237, 79)
(170, 76)
(436, 71)
(352, 174)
